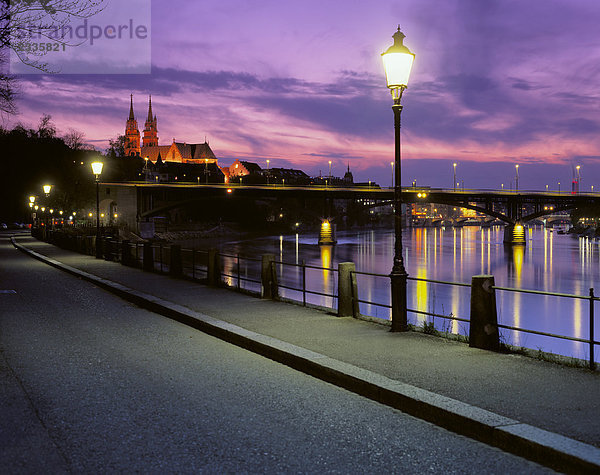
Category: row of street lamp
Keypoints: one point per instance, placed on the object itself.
(97, 171)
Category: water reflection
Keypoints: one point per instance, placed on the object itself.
(558, 263)
(326, 263)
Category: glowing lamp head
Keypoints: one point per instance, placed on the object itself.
(47, 189)
(397, 62)
(97, 168)
(31, 199)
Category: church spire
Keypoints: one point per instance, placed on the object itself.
(132, 134)
(150, 117)
(150, 128)
(131, 116)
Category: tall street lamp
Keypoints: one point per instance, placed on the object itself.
(517, 178)
(397, 61)
(578, 178)
(97, 171)
(392, 164)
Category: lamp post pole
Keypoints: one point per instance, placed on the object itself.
(398, 61)
(97, 170)
(517, 178)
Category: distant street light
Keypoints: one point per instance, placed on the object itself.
(97, 171)
(397, 61)
(392, 164)
(559, 186)
(268, 162)
(330, 169)
(47, 189)
(578, 178)
(454, 179)
(517, 178)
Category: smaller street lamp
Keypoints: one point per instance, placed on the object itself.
(268, 172)
(517, 178)
(97, 171)
(454, 179)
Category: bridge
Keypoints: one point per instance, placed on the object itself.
(138, 202)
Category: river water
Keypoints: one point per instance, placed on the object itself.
(549, 262)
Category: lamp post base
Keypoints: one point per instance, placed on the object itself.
(399, 312)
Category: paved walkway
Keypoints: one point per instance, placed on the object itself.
(543, 411)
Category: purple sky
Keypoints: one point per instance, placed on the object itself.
(494, 83)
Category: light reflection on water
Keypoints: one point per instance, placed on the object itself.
(549, 262)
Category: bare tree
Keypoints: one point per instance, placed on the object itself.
(74, 139)
(23, 22)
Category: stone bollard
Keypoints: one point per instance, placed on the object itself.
(483, 332)
(213, 268)
(347, 290)
(125, 253)
(175, 268)
(148, 257)
(270, 288)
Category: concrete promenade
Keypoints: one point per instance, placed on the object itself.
(539, 410)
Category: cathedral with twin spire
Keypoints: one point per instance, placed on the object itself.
(180, 152)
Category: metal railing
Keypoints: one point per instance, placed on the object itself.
(194, 263)
(304, 289)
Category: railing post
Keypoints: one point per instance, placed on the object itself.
(239, 283)
(592, 363)
(269, 277)
(346, 292)
(148, 257)
(107, 247)
(160, 256)
(125, 253)
(213, 268)
(483, 328)
(303, 283)
(175, 269)
(193, 263)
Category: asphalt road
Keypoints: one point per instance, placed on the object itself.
(90, 383)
